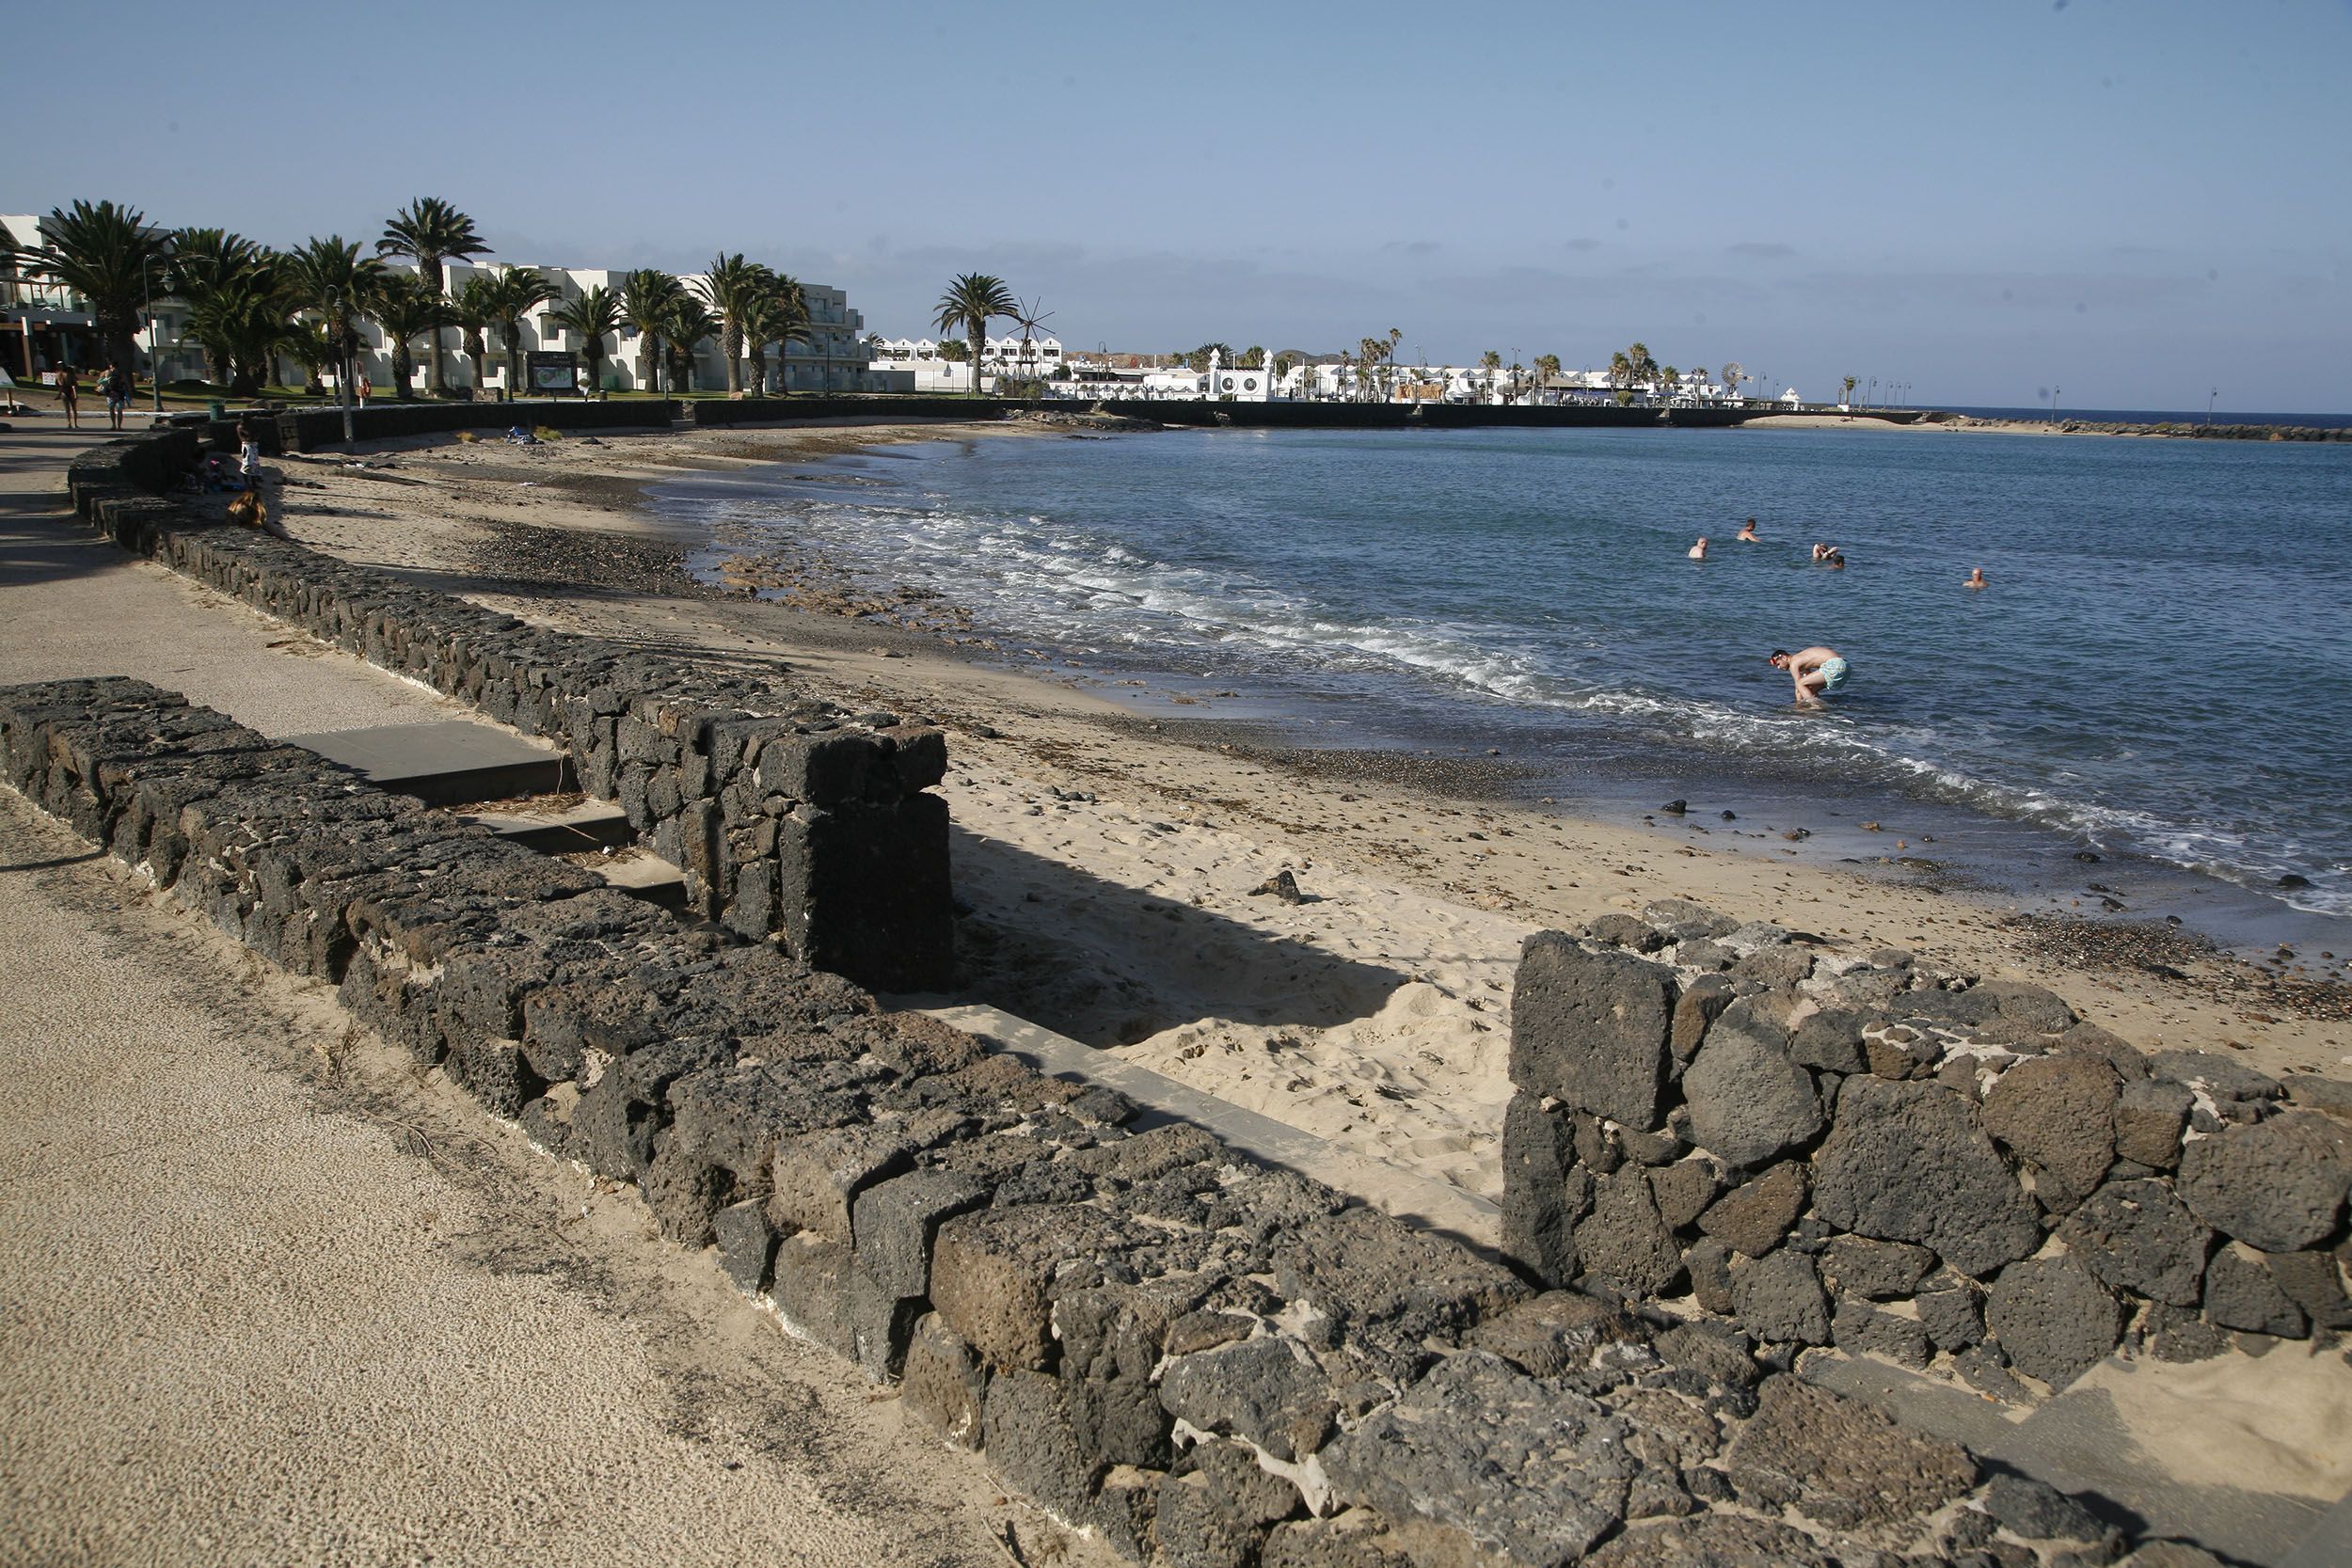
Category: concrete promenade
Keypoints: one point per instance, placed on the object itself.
(269, 1295)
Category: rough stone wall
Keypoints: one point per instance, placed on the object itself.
(1822, 1149)
(312, 429)
(791, 817)
(1205, 1361)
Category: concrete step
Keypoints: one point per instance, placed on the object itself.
(584, 826)
(640, 872)
(447, 762)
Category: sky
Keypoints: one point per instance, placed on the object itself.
(2133, 201)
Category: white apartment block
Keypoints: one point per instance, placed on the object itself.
(42, 326)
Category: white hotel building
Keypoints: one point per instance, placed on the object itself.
(1030, 357)
(43, 325)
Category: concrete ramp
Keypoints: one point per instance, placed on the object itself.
(1436, 1206)
(445, 762)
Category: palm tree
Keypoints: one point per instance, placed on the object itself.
(595, 315)
(307, 344)
(205, 262)
(780, 318)
(685, 325)
(331, 278)
(1373, 349)
(1672, 378)
(407, 306)
(646, 295)
(1546, 370)
(1620, 371)
(1490, 362)
(729, 287)
(970, 300)
(108, 255)
(432, 231)
(241, 319)
(512, 295)
(1849, 385)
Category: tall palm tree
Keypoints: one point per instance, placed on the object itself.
(780, 318)
(1848, 383)
(1490, 362)
(970, 300)
(512, 295)
(646, 296)
(407, 306)
(242, 320)
(595, 315)
(1371, 349)
(107, 255)
(1546, 370)
(432, 231)
(1620, 369)
(207, 264)
(686, 324)
(331, 278)
(729, 287)
(1644, 367)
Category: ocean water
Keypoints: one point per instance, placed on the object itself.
(2158, 673)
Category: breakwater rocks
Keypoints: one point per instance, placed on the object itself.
(1814, 1149)
(792, 817)
(1203, 1360)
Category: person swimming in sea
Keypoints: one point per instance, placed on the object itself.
(1698, 551)
(1747, 534)
(1835, 560)
(1815, 670)
(1821, 552)
(1976, 578)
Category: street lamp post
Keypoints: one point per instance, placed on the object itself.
(2054, 397)
(2210, 398)
(155, 339)
(342, 364)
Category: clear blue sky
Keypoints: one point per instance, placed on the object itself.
(2134, 199)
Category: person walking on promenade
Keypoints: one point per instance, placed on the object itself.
(1817, 671)
(70, 396)
(116, 386)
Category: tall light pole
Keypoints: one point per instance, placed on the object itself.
(343, 363)
(154, 338)
(2209, 403)
(2054, 397)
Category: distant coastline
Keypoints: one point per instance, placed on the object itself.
(2025, 422)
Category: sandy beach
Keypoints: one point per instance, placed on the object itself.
(1115, 860)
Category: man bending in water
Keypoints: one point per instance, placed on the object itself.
(1815, 671)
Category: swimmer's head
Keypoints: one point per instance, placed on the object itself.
(1779, 659)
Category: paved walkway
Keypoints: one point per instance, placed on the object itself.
(73, 605)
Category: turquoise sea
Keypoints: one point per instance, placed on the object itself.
(2160, 674)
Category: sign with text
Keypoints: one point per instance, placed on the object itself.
(552, 371)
